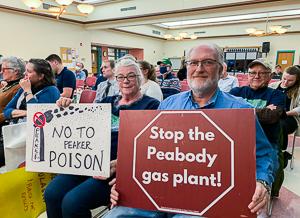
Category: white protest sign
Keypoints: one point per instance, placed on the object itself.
(73, 140)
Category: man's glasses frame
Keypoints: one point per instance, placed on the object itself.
(260, 74)
(207, 63)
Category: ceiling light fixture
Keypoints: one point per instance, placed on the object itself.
(269, 30)
(83, 8)
(180, 36)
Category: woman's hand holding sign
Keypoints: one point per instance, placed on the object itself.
(114, 195)
(113, 168)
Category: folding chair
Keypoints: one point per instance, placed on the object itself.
(87, 96)
(90, 81)
(79, 83)
(184, 86)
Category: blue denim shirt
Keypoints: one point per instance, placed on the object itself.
(220, 100)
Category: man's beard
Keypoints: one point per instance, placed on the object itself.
(205, 87)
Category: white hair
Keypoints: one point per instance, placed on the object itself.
(128, 62)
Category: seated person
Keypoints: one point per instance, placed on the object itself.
(269, 103)
(38, 86)
(206, 95)
(110, 86)
(65, 79)
(227, 82)
(181, 74)
(278, 72)
(85, 192)
(79, 73)
(289, 85)
(150, 86)
(169, 84)
(12, 70)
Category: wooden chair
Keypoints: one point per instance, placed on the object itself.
(87, 96)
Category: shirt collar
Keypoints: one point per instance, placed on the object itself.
(211, 102)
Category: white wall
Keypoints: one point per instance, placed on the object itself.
(152, 47)
(277, 43)
(33, 37)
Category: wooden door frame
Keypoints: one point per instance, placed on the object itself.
(285, 51)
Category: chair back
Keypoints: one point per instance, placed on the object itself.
(79, 83)
(90, 81)
(87, 96)
(184, 85)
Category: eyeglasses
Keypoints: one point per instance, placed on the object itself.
(130, 77)
(253, 73)
(6, 68)
(205, 63)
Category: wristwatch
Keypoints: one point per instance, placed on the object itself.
(27, 93)
(265, 184)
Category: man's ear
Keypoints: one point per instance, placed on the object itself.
(220, 70)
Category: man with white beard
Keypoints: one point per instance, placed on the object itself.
(204, 68)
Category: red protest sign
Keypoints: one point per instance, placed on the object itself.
(192, 162)
(39, 119)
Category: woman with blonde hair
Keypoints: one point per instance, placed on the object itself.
(290, 84)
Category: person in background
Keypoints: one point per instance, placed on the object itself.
(227, 82)
(290, 86)
(157, 68)
(169, 84)
(79, 73)
(182, 71)
(204, 68)
(71, 196)
(150, 87)
(65, 79)
(110, 86)
(12, 69)
(269, 104)
(38, 86)
(278, 72)
(85, 71)
(100, 78)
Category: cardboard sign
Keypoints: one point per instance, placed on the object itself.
(73, 140)
(199, 163)
(21, 193)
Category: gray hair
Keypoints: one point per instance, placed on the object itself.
(219, 51)
(16, 63)
(128, 62)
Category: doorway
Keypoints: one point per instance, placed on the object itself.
(285, 58)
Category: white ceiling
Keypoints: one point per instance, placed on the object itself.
(96, 1)
(171, 16)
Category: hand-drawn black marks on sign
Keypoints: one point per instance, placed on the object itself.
(38, 147)
(62, 112)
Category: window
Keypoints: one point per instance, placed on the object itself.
(238, 59)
